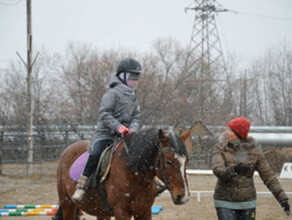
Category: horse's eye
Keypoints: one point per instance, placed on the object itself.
(169, 163)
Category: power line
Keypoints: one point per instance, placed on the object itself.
(282, 4)
(259, 15)
(10, 4)
(5, 61)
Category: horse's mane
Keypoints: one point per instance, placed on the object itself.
(143, 146)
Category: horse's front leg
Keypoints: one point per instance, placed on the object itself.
(147, 215)
(121, 214)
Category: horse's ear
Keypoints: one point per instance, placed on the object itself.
(162, 137)
(185, 135)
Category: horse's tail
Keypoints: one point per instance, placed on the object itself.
(59, 214)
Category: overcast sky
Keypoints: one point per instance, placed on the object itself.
(135, 24)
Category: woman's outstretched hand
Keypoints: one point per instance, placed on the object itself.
(286, 207)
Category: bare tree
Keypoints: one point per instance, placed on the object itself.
(160, 87)
(273, 86)
(68, 88)
(13, 96)
(45, 73)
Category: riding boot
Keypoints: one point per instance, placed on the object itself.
(80, 190)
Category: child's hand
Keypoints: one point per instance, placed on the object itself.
(124, 130)
(130, 132)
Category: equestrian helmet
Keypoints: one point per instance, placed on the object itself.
(129, 65)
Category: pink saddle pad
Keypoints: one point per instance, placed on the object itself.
(78, 166)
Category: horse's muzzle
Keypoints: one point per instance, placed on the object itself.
(180, 200)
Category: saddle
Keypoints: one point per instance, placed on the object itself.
(104, 163)
(102, 168)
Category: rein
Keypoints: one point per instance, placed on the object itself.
(160, 161)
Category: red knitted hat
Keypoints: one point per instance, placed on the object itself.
(240, 126)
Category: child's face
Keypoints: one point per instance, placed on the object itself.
(132, 83)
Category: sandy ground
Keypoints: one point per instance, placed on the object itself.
(40, 188)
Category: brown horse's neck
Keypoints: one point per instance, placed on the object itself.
(152, 172)
(143, 179)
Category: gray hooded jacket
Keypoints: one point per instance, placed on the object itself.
(119, 106)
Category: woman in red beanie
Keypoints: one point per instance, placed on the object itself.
(235, 159)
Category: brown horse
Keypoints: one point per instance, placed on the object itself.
(129, 186)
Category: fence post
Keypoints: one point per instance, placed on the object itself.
(42, 144)
(66, 135)
(1, 141)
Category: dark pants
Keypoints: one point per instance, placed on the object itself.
(94, 156)
(233, 214)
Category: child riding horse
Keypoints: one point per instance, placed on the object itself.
(118, 115)
(129, 187)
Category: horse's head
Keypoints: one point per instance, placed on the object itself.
(171, 165)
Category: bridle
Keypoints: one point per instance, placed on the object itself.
(159, 161)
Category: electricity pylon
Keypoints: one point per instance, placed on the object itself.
(205, 46)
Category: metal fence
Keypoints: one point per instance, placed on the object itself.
(47, 146)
